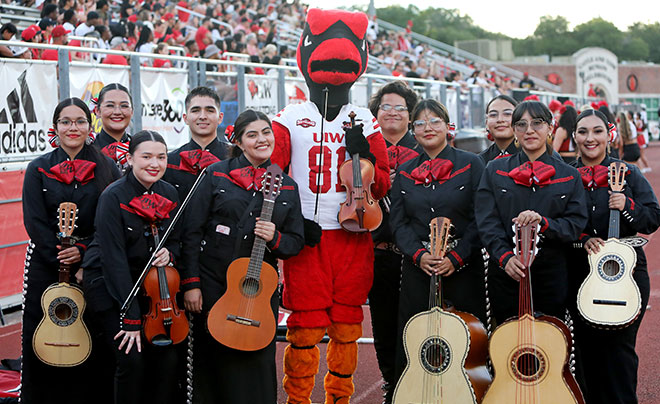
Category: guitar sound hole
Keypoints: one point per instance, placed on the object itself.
(250, 286)
(435, 355)
(528, 364)
(611, 268)
(63, 312)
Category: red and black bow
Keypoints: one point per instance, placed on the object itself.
(400, 154)
(532, 173)
(68, 171)
(117, 151)
(502, 155)
(248, 177)
(152, 207)
(193, 161)
(432, 170)
(594, 177)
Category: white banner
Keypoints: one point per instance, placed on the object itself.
(28, 97)
(261, 94)
(87, 82)
(163, 105)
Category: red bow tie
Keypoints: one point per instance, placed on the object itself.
(432, 170)
(594, 177)
(117, 151)
(399, 154)
(248, 177)
(79, 170)
(532, 173)
(193, 161)
(152, 207)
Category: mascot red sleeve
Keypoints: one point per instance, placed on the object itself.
(327, 283)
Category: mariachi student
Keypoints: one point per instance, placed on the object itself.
(73, 172)
(222, 224)
(606, 358)
(441, 181)
(115, 108)
(127, 214)
(531, 187)
(499, 111)
(202, 117)
(392, 106)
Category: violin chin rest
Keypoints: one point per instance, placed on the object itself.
(161, 340)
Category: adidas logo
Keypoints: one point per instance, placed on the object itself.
(21, 131)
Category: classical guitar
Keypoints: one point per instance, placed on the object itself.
(530, 354)
(445, 348)
(609, 296)
(242, 318)
(61, 338)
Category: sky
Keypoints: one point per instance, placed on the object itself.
(518, 19)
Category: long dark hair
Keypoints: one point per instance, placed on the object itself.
(242, 121)
(104, 166)
(145, 34)
(568, 121)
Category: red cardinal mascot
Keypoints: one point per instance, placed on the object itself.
(327, 283)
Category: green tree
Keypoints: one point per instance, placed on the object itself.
(600, 33)
(650, 34)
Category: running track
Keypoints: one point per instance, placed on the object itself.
(367, 379)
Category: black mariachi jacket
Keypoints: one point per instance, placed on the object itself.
(493, 152)
(413, 206)
(42, 195)
(219, 214)
(640, 214)
(183, 177)
(499, 199)
(126, 242)
(406, 149)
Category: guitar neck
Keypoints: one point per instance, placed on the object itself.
(613, 231)
(64, 271)
(525, 302)
(435, 292)
(259, 246)
(357, 172)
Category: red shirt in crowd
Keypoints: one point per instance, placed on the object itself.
(51, 54)
(115, 60)
(162, 63)
(199, 36)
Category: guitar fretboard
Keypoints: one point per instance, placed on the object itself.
(259, 247)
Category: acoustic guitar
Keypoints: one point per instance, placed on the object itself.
(530, 354)
(61, 338)
(445, 348)
(242, 318)
(609, 296)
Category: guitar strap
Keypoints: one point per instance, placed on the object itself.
(241, 234)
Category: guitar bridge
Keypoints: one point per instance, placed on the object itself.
(61, 344)
(243, 320)
(610, 302)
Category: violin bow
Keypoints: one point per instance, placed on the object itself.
(138, 284)
(318, 174)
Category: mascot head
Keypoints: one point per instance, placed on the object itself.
(333, 53)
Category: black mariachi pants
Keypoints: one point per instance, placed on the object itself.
(140, 377)
(384, 305)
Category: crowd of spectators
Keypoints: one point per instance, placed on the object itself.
(215, 29)
(210, 29)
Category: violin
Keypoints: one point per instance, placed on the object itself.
(360, 212)
(165, 323)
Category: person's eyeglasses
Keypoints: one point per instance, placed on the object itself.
(397, 108)
(65, 123)
(122, 107)
(495, 115)
(521, 126)
(435, 123)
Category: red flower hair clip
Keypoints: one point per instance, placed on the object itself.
(611, 129)
(451, 130)
(229, 133)
(53, 139)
